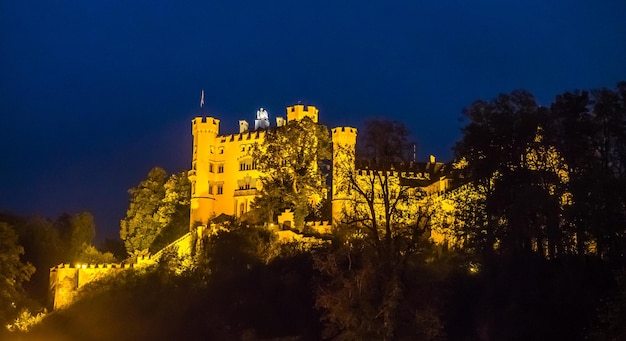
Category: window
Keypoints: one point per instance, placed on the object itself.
(220, 189)
(245, 183)
(210, 189)
(246, 165)
(210, 168)
(220, 169)
(221, 150)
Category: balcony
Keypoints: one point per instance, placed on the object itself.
(245, 192)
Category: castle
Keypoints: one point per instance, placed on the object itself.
(225, 180)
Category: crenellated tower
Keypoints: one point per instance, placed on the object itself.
(300, 111)
(205, 131)
(344, 149)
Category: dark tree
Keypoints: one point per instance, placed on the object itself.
(13, 273)
(366, 287)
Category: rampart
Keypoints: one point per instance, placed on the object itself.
(65, 279)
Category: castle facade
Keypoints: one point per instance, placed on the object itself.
(224, 178)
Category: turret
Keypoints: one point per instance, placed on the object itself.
(300, 111)
(344, 148)
(204, 131)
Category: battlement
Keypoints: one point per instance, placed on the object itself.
(344, 135)
(321, 227)
(244, 136)
(348, 130)
(300, 111)
(65, 266)
(205, 125)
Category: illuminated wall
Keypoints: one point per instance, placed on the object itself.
(223, 175)
(65, 279)
(224, 179)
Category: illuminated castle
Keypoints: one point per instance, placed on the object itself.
(223, 175)
(224, 178)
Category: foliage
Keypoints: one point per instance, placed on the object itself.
(26, 320)
(382, 238)
(384, 143)
(13, 273)
(386, 212)
(43, 248)
(76, 233)
(115, 246)
(292, 159)
(158, 212)
(364, 299)
(91, 255)
(240, 248)
(551, 179)
(141, 226)
(609, 323)
(270, 300)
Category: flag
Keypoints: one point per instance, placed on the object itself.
(202, 100)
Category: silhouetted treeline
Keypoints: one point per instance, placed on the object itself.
(552, 180)
(47, 243)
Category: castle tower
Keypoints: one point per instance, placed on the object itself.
(300, 111)
(344, 148)
(204, 131)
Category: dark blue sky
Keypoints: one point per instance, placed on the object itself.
(95, 93)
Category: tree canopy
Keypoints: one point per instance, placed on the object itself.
(158, 212)
(13, 273)
(292, 159)
(551, 178)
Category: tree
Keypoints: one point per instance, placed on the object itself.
(382, 237)
(141, 225)
(552, 178)
(43, 248)
(158, 212)
(173, 212)
(271, 200)
(522, 176)
(82, 235)
(386, 207)
(292, 158)
(591, 130)
(89, 254)
(384, 143)
(13, 272)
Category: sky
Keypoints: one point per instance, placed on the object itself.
(93, 94)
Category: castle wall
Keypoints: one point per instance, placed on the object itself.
(224, 177)
(66, 280)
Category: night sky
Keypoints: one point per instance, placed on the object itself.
(94, 93)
